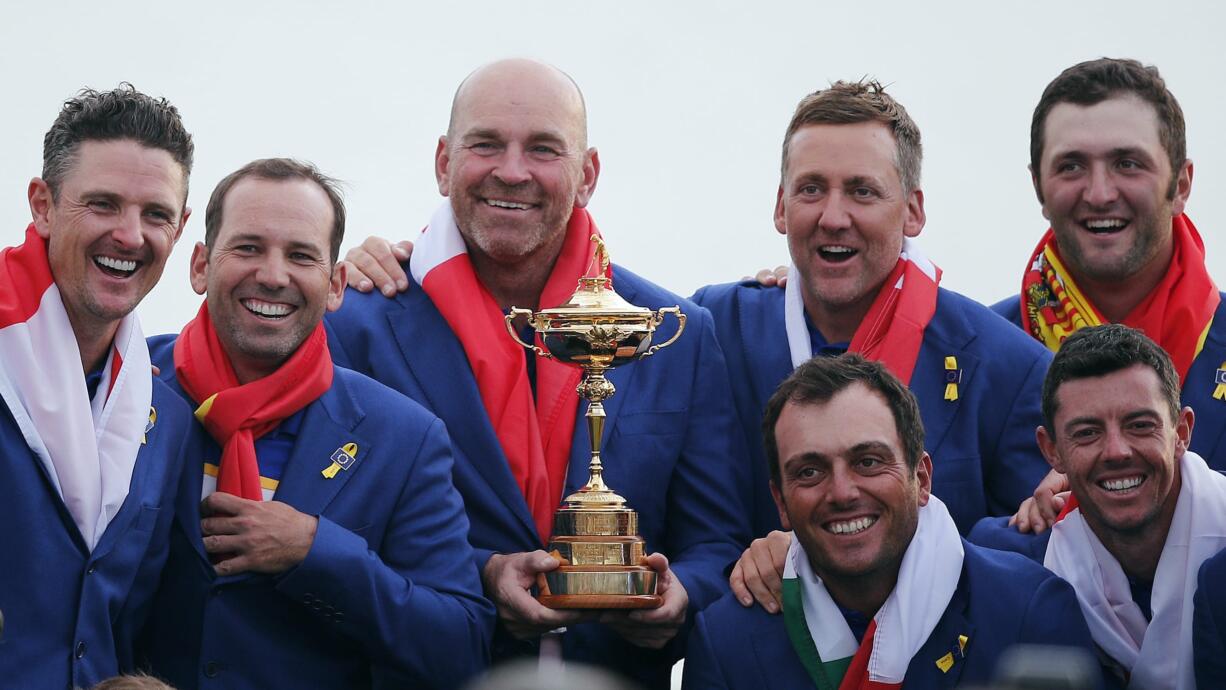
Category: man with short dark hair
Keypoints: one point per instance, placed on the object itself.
(1109, 166)
(330, 535)
(1148, 510)
(514, 231)
(92, 443)
(879, 589)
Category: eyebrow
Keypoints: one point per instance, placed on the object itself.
(859, 448)
(1135, 414)
(117, 198)
(261, 239)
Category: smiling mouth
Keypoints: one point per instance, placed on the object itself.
(836, 253)
(118, 268)
(1104, 226)
(510, 205)
(848, 527)
(268, 310)
(1122, 484)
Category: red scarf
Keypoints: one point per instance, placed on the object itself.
(535, 437)
(893, 329)
(857, 677)
(235, 415)
(1176, 314)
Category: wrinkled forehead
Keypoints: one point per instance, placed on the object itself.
(1121, 122)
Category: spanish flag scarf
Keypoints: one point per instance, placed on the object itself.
(893, 329)
(88, 447)
(927, 579)
(535, 435)
(236, 414)
(1176, 314)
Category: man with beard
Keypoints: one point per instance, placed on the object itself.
(330, 549)
(1109, 165)
(92, 444)
(518, 175)
(879, 589)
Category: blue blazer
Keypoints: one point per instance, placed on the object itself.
(70, 616)
(1209, 624)
(671, 448)
(388, 595)
(1001, 600)
(984, 456)
(1209, 436)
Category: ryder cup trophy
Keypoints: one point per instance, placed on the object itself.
(595, 536)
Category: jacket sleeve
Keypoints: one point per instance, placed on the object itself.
(416, 604)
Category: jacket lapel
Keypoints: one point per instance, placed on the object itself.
(438, 364)
(929, 378)
(327, 426)
(939, 662)
(764, 344)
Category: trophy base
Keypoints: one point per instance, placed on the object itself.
(599, 587)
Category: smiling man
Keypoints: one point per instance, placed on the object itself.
(92, 443)
(330, 534)
(879, 589)
(1108, 159)
(518, 174)
(1149, 512)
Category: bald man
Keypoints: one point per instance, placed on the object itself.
(518, 174)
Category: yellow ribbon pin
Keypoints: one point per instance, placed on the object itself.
(953, 376)
(342, 459)
(946, 662)
(153, 419)
(1219, 393)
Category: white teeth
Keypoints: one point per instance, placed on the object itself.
(1104, 224)
(1121, 484)
(835, 249)
(851, 526)
(507, 204)
(116, 264)
(267, 309)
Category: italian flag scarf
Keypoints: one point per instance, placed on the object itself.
(1158, 653)
(535, 435)
(893, 330)
(236, 414)
(88, 447)
(1176, 315)
(927, 580)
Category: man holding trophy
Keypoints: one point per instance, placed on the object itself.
(507, 250)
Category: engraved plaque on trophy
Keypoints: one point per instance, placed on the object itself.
(595, 536)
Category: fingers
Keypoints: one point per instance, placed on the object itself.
(737, 582)
(781, 276)
(221, 503)
(376, 262)
(766, 278)
(758, 576)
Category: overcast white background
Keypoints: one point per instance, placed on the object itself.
(687, 102)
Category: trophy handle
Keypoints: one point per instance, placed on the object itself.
(516, 311)
(675, 311)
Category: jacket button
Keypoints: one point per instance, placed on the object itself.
(81, 649)
(211, 669)
(91, 570)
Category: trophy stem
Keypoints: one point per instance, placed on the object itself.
(595, 388)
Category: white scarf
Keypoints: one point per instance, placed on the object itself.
(927, 580)
(1157, 654)
(88, 447)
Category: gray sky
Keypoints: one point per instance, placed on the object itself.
(687, 100)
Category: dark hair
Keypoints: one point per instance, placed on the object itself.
(1092, 82)
(819, 379)
(1102, 350)
(277, 169)
(122, 113)
(848, 103)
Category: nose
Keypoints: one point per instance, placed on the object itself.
(127, 232)
(273, 272)
(512, 168)
(1102, 189)
(841, 486)
(835, 213)
(1115, 445)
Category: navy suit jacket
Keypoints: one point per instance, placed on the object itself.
(1209, 624)
(1209, 436)
(671, 448)
(388, 595)
(984, 456)
(1002, 599)
(71, 615)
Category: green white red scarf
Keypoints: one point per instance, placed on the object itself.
(927, 580)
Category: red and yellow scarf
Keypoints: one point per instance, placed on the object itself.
(1176, 314)
(235, 415)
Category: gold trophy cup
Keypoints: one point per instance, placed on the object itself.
(595, 536)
